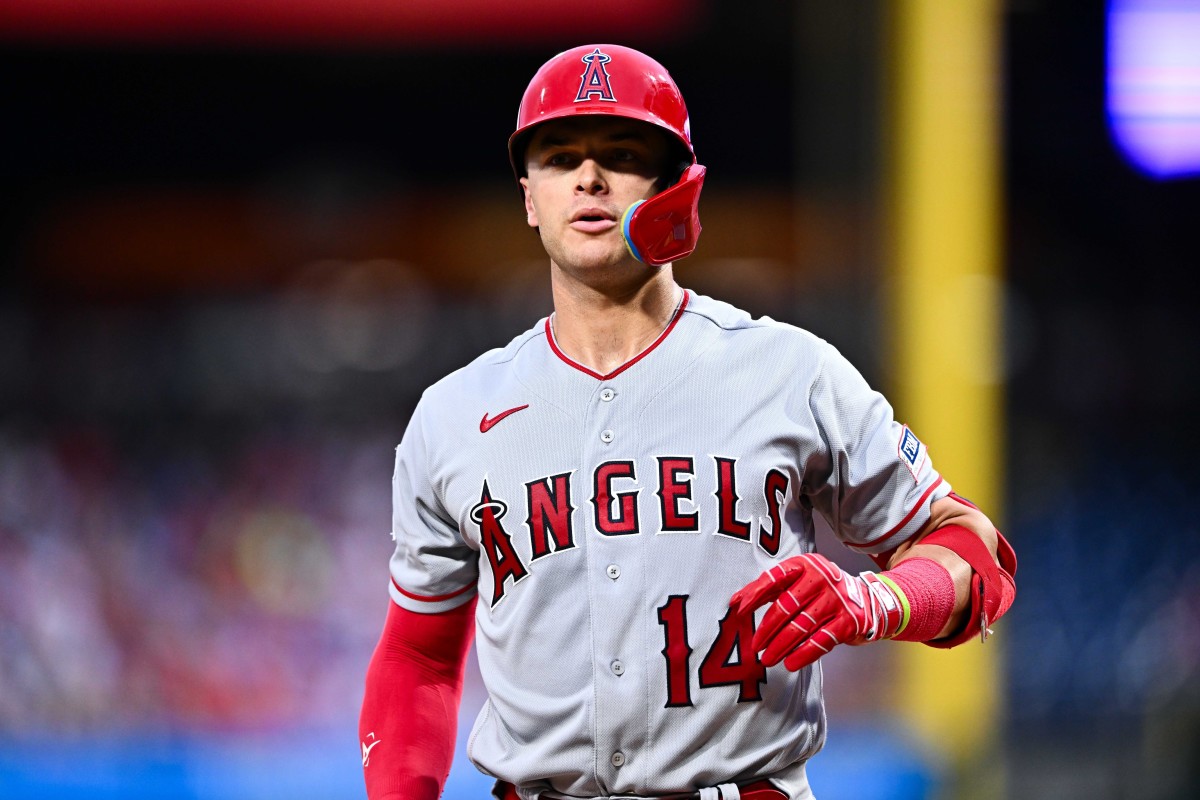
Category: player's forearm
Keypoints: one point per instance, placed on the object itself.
(960, 575)
(420, 730)
(946, 513)
(409, 718)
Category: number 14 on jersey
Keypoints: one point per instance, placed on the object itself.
(730, 660)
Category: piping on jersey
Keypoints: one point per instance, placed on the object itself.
(901, 523)
(675, 317)
(431, 599)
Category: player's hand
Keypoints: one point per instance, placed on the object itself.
(817, 606)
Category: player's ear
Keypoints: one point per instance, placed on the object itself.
(530, 211)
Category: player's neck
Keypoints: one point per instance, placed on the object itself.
(602, 331)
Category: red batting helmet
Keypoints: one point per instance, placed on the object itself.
(601, 79)
(618, 81)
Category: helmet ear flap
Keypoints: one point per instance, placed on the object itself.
(666, 227)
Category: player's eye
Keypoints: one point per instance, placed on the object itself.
(629, 159)
(559, 158)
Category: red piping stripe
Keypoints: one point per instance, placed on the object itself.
(435, 599)
(554, 346)
(902, 523)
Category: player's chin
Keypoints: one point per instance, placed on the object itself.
(601, 252)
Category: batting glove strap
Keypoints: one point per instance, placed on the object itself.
(884, 582)
(886, 608)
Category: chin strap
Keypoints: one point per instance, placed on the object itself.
(666, 227)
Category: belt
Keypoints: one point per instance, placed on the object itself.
(759, 790)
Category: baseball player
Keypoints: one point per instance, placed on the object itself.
(618, 505)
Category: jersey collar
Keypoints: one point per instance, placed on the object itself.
(649, 348)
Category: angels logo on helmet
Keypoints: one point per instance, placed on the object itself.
(594, 81)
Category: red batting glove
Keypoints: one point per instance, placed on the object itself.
(817, 606)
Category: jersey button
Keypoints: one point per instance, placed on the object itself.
(606, 436)
(613, 571)
(618, 668)
(618, 759)
(607, 395)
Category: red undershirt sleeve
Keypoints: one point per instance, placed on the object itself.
(409, 720)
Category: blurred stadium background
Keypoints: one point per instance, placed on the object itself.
(238, 238)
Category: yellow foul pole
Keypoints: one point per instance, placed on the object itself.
(943, 209)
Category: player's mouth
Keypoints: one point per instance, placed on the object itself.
(593, 220)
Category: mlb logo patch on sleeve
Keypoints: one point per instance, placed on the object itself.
(912, 452)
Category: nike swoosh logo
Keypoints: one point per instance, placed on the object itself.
(486, 424)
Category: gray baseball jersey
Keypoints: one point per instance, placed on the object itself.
(605, 520)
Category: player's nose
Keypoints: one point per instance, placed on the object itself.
(590, 177)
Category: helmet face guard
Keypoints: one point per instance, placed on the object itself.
(665, 227)
(617, 81)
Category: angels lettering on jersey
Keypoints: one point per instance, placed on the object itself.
(614, 500)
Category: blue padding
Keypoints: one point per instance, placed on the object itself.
(625, 220)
